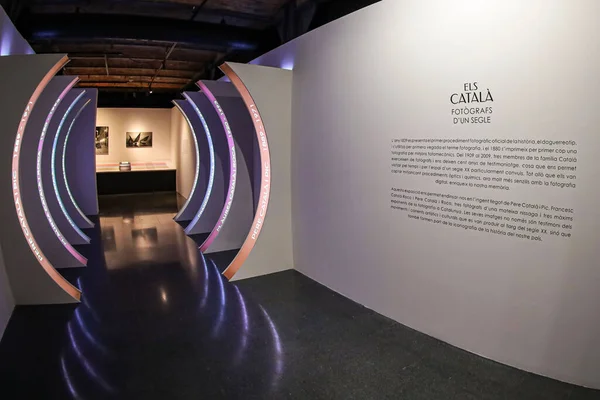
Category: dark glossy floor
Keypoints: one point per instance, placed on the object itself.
(158, 322)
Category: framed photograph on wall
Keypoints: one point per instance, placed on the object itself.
(102, 140)
(138, 139)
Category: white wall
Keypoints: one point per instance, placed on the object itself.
(270, 91)
(122, 120)
(175, 134)
(533, 305)
(184, 154)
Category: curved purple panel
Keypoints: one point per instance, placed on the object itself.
(232, 169)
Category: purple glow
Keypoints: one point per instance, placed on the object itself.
(221, 317)
(206, 287)
(86, 364)
(246, 324)
(65, 373)
(11, 42)
(244, 309)
(278, 349)
(288, 63)
(88, 334)
(283, 57)
(87, 305)
(7, 40)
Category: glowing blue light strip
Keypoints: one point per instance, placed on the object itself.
(211, 178)
(197, 176)
(246, 324)
(278, 349)
(221, 318)
(53, 170)
(86, 303)
(88, 334)
(206, 287)
(87, 365)
(64, 167)
(67, 378)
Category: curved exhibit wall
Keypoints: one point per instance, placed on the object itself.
(189, 161)
(207, 220)
(69, 209)
(63, 220)
(266, 94)
(66, 151)
(32, 277)
(237, 213)
(79, 161)
(183, 154)
(204, 167)
(455, 190)
(51, 240)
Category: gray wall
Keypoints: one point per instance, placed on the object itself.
(11, 42)
(33, 279)
(188, 129)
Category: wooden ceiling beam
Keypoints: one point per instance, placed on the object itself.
(173, 93)
(131, 85)
(128, 79)
(130, 72)
(98, 61)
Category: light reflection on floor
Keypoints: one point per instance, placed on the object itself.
(163, 314)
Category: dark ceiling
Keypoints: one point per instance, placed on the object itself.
(146, 52)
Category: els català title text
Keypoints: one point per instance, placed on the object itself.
(471, 106)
